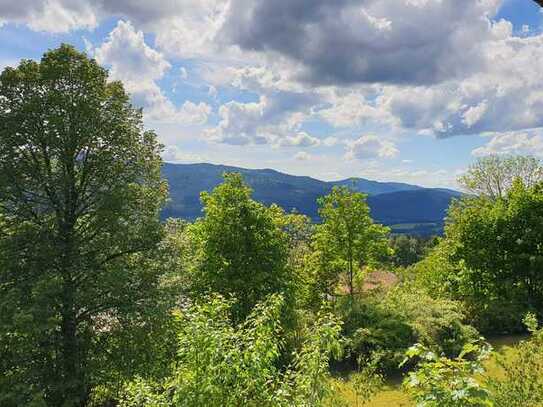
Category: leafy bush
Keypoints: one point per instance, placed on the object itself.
(442, 382)
(384, 327)
(220, 364)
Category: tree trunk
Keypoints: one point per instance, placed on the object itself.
(351, 288)
(75, 392)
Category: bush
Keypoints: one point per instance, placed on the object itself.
(221, 364)
(385, 326)
(439, 381)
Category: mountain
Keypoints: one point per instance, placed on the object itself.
(409, 208)
(420, 206)
(374, 187)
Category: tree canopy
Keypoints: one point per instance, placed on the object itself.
(347, 238)
(241, 247)
(494, 175)
(80, 195)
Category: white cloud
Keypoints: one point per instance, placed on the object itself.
(301, 139)
(57, 16)
(271, 120)
(474, 113)
(439, 67)
(507, 95)
(302, 156)
(524, 143)
(182, 27)
(349, 110)
(174, 154)
(129, 57)
(139, 67)
(370, 147)
(366, 41)
(239, 123)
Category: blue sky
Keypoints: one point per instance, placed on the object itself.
(402, 90)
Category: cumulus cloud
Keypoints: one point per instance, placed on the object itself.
(271, 120)
(506, 96)
(524, 143)
(174, 154)
(370, 147)
(441, 67)
(182, 27)
(352, 41)
(301, 139)
(49, 15)
(350, 109)
(129, 57)
(139, 67)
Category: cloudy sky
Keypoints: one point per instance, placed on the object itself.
(403, 90)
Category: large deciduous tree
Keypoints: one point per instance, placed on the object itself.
(492, 176)
(347, 239)
(499, 244)
(242, 249)
(80, 195)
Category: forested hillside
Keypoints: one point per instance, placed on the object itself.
(404, 207)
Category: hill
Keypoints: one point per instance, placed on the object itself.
(408, 208)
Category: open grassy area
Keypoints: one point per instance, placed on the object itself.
(393, 394)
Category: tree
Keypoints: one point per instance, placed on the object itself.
(241, 249)
(347, 238)
(498, 243)
(493, 176)
(80, 194)
(408, 250)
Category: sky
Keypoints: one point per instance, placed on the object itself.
(396, 90)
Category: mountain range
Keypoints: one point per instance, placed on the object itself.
(406, 208)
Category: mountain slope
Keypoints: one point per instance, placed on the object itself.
(391, 203)
(374, 187)
(420, 206)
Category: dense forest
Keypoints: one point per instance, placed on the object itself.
(104, 304)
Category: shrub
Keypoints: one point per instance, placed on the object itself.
(384, 327)
(221, 364)
(442, 382)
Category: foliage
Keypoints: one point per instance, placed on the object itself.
(493, 176)
(408, 250)
(347, 238)
(240, 248)
(437, 273)
(220, 364)
(522, 382)
(367, 382)
(384, 327)
(80, 193)
(442, 382)
(498, 244)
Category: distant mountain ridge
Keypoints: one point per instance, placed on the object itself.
(391, 203)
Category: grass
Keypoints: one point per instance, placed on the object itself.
(394, 396)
